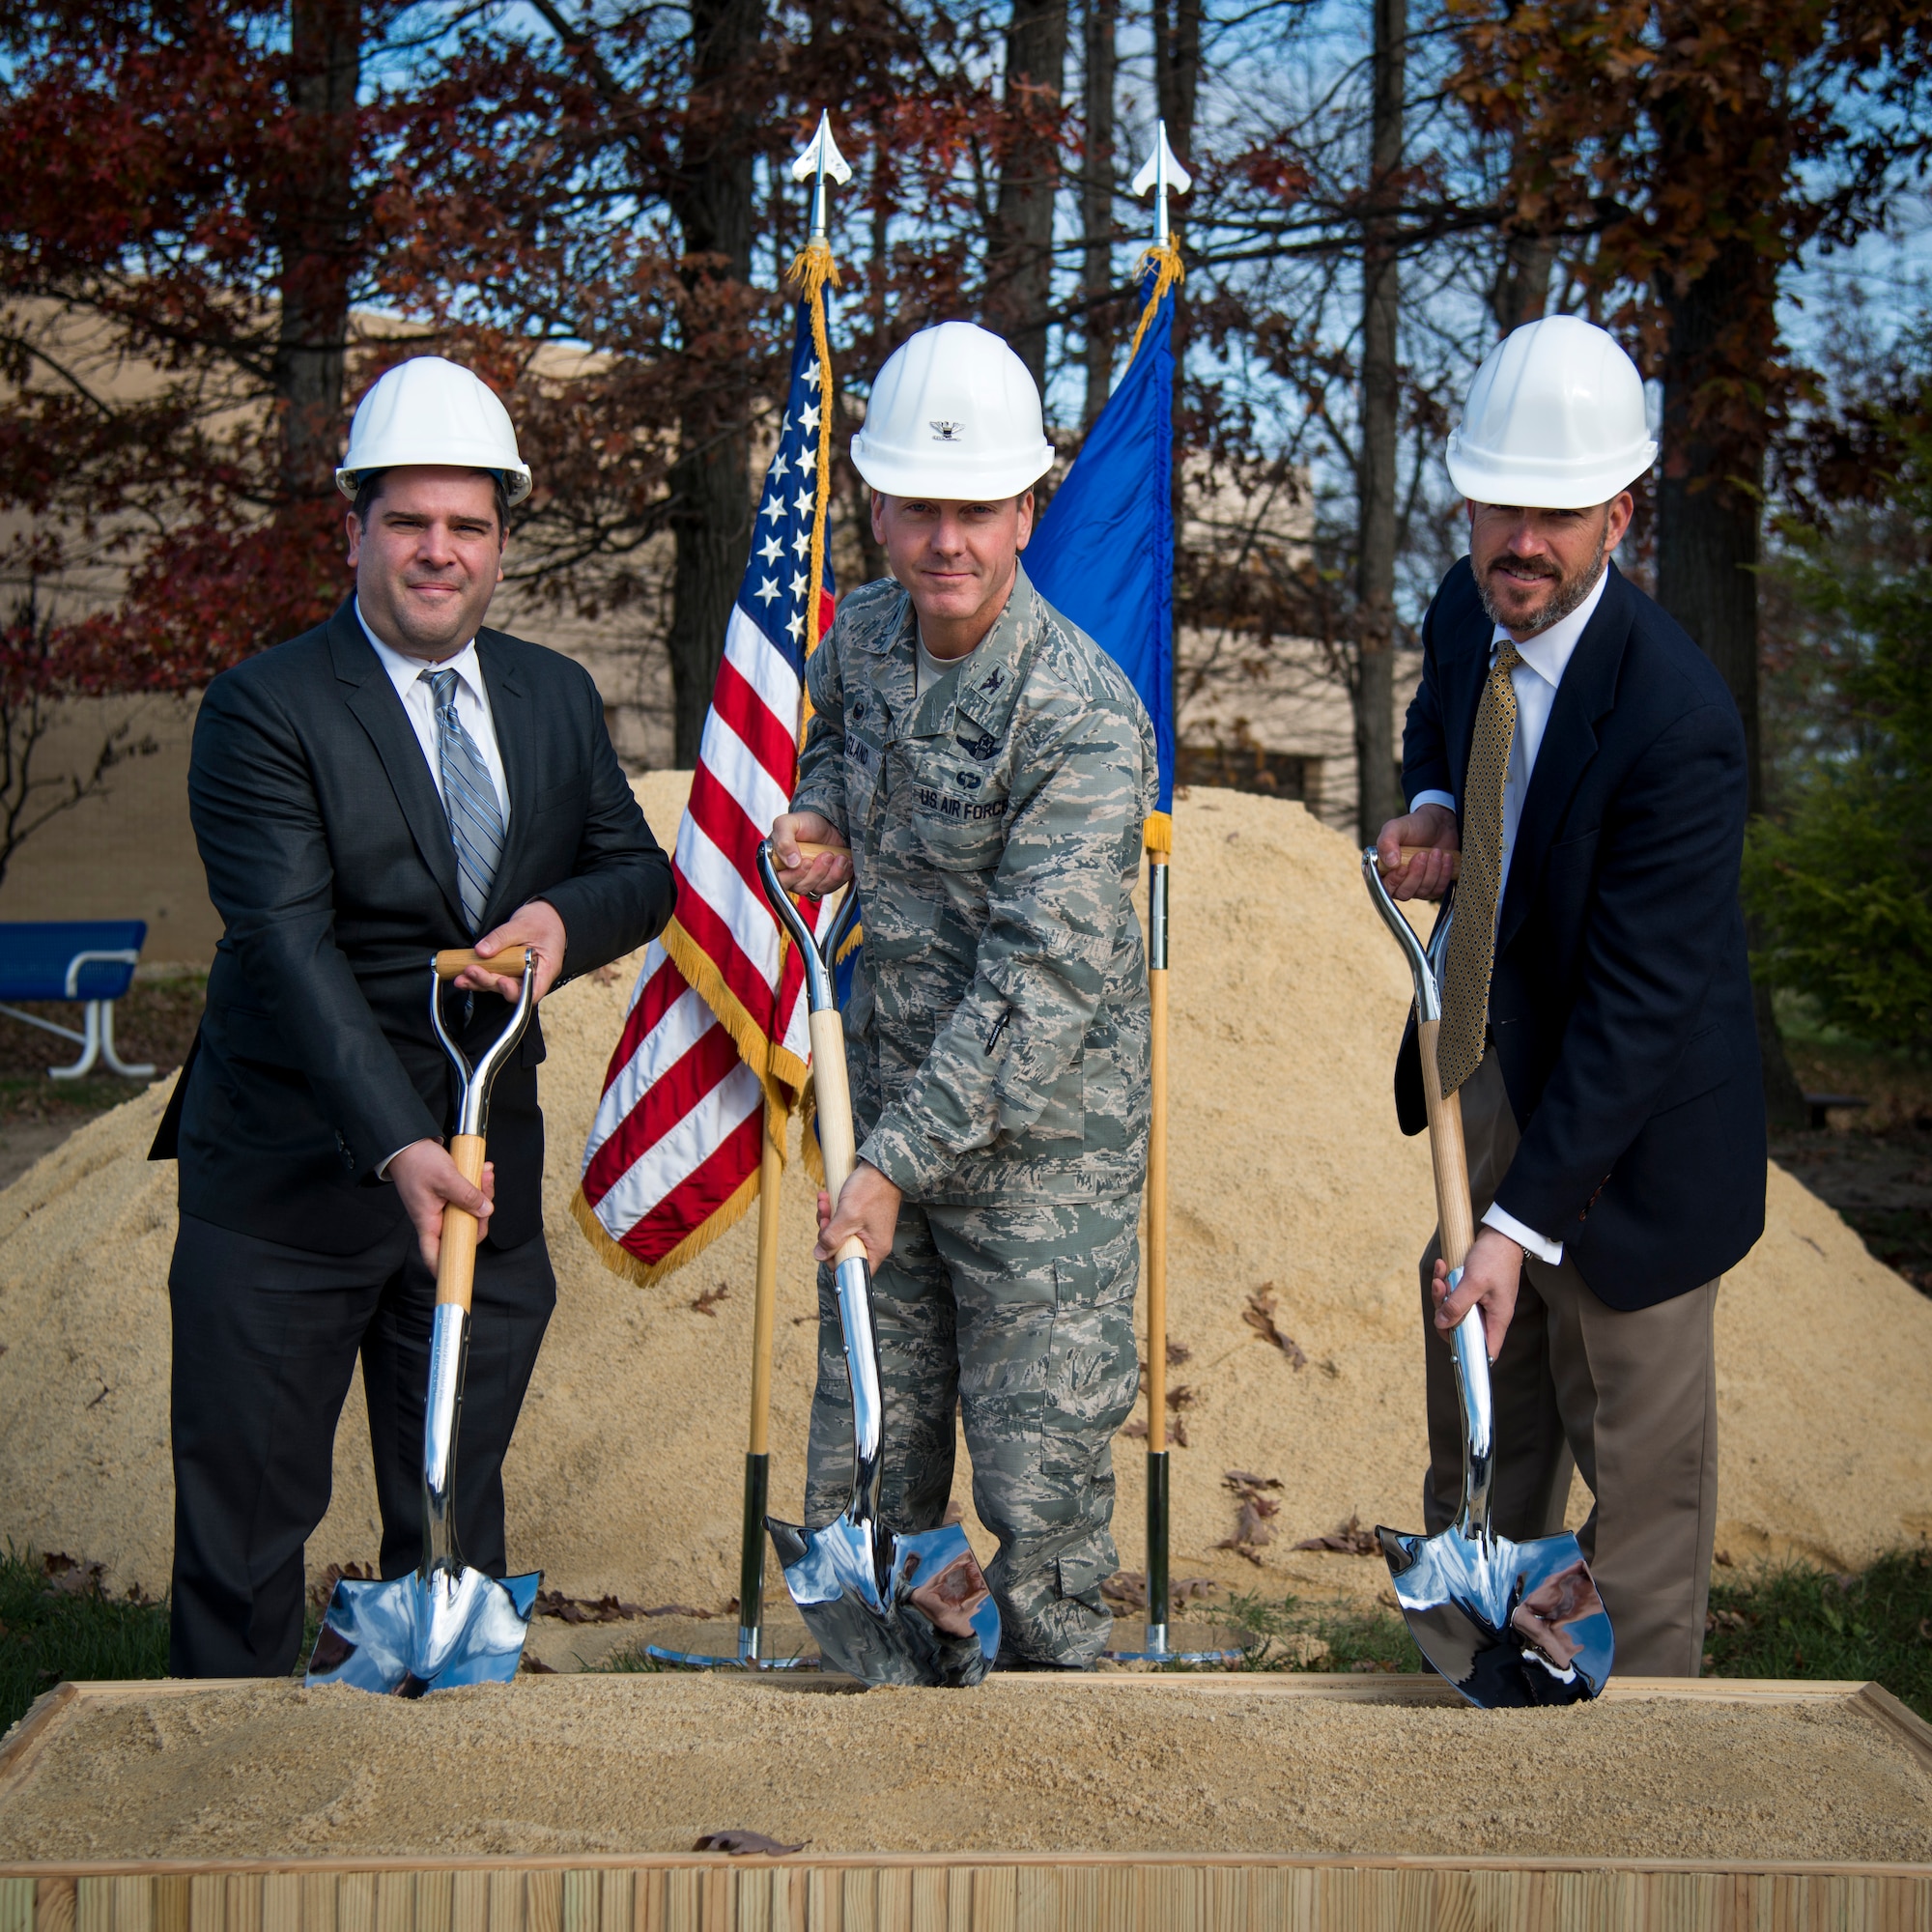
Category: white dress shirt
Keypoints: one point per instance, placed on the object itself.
(472, 707)
(1546, 657)
(410, 677)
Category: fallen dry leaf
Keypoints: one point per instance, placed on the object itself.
(337, 1573)
(707, 1302)
(738, 1843)
(1126, 1589)
(1349, 1539)
(1259, 1314)
(1253, 1530)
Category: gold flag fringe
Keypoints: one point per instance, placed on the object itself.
(1158, 834)
(1171, 273)
(814, 270)
(646, 1274)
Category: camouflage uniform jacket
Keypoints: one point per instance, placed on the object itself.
(998, 1027)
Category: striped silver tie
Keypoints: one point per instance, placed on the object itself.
(475, 818)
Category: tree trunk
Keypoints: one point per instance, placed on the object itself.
(1377, 798)
(711, 510)
(1176, 26)
(1707, 543)
(872, 551)
(317, 230)
(1176, 73)
(1520, 291)
(1019, 253)
(1097, 200)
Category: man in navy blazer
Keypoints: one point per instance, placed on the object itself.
(1587, 761)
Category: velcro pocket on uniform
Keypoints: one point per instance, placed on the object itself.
(899, 928)
(1081, 1576)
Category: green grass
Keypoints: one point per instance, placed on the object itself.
(633, 1660)
(51, 1631)
(1776, 1622)
(1789, 1621)
(1799, 1622)
(1292, 1636)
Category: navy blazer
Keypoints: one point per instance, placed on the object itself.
(1621, 1001)
(329, 859)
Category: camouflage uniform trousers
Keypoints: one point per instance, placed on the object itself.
(1024, 1317)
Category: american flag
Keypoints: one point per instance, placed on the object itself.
(716, 1021)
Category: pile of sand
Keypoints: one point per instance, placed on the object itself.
(1288, 1178)
(587, 1765)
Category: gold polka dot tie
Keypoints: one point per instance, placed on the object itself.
(1472, 939)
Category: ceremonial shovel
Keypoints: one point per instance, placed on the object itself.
(886, 1608)
(1508, 1624)
(447, 1623)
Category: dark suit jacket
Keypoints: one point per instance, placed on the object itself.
(329, 859)
(1621, 1001)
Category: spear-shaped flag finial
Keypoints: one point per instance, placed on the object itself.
(819, 160)
(1163, 173)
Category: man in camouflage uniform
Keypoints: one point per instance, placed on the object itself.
(992, 790)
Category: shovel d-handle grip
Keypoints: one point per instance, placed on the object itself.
(509, 962)
(456, 1262)
(1409, 852)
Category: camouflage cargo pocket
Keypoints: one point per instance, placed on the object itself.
(1092, 1368)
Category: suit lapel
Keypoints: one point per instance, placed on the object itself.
(373, 698)
(1588, 689)
(513, 716)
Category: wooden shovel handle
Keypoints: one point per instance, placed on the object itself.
(833, 1091)
(456, 1262)
(1454, 1214)
(1409, 852)
(459, 958)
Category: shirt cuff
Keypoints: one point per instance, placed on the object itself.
(382, 1165)
(1446, 800)
(1506, 1223)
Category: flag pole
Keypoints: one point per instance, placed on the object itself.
(757, 1453)
(820, 161)
(1164, 174)
(1158, 1590)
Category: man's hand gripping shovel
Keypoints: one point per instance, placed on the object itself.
(447, 1623)
(886, 1608)
(1508, 1624)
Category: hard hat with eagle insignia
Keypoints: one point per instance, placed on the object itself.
(955, 415)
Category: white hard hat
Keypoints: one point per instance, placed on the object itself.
(430, 410)
(1555, 421)
(955, 414)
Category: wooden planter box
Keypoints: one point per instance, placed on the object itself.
(979, 1891)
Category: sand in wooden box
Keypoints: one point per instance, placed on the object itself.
(590, 1765)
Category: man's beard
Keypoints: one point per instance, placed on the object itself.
(1570, 594)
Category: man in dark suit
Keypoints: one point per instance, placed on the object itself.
(395, 781)
(1588, 763)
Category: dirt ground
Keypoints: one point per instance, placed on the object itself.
(649, 1764)
(1298, 1211)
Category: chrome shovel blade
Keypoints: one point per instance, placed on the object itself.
(405, 1637)
(935, 1621)
(1508, 1624)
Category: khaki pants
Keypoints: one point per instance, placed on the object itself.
(1629, 1399)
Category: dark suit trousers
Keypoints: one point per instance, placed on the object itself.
(1630, 1399)
(265, 1338)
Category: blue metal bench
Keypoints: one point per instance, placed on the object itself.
(92, 960)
